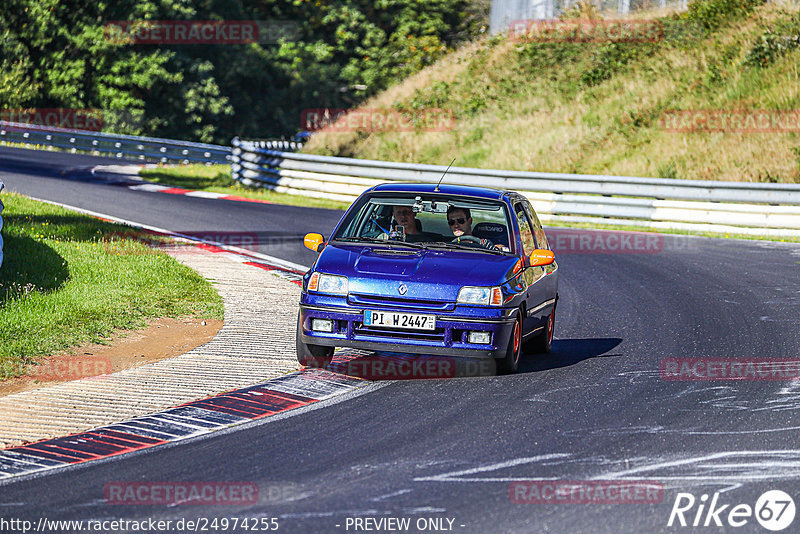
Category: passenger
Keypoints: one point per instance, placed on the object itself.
(406, 218)
(410, 227)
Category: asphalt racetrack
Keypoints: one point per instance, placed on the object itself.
(482, 454)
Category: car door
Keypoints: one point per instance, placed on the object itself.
(529, 274)
(545, 276)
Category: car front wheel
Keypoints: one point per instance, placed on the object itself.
(510, 363)
(316, 356)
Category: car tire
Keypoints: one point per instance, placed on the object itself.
(316, 356)
(510, 363)
(543, 343)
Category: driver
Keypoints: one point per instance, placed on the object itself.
(460, 221)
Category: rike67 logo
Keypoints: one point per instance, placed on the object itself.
(774, 510)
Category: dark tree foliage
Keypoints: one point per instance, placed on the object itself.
(57, 54)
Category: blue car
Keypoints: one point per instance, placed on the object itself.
(427, 269)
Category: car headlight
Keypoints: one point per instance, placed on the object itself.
(328, 283)
(489, 296)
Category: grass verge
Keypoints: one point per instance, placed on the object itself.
(69, 279)
(217, 179)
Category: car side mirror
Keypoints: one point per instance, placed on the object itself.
(315, 242)
(542, 256)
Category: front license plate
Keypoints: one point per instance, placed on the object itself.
(410, 321)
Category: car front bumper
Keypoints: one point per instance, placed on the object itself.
(449, 338)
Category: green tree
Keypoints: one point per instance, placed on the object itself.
(57, 53)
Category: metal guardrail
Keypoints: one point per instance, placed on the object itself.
(280, 145)
(698, 205)
(131, 147)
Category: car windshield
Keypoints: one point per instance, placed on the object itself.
(428, 221)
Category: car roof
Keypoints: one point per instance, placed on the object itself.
(447, 189)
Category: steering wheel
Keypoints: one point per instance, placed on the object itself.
(471, 239)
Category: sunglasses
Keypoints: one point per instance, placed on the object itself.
(460, 220)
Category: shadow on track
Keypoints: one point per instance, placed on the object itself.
(60, 165)
(383, 365)
(568, 352)
(399, 366)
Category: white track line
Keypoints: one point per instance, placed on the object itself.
(278, 262)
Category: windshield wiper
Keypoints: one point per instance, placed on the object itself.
(466, 247)
(385, 242)
(352, 239)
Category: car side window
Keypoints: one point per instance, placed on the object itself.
(538, 231)
(525, 231)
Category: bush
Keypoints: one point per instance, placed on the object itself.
(610, 59)
(437, 95)
(775, 42)
(583, 10)
(713, 14)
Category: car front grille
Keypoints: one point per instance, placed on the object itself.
(434, 335)
(360, 299)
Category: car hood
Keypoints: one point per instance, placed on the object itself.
(434, 274)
